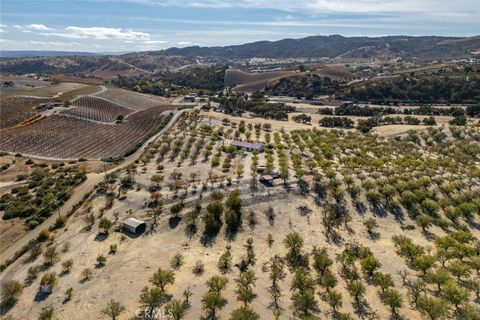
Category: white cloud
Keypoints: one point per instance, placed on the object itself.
(105, 33)
(155, 41)
(54, 43)
(33, 26)
(73, 32)
(40, 27)
(184, 43)
(330, 6)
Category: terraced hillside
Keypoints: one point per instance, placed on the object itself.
(92, 108)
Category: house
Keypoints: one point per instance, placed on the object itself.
(189, 98)
(247, 146)
(134, 225)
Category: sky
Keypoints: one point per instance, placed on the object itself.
(139, 25)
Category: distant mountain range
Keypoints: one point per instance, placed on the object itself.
(39, 53)
(108, 65)
(424, 48)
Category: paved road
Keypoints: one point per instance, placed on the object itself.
(79, 192)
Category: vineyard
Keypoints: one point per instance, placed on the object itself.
(15, 110)
(65, 137)
(91, 108)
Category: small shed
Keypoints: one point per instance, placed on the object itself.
(134, 225)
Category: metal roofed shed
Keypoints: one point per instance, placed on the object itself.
(134, 225)
(248, 146)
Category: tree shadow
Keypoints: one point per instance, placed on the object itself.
(207, 240)
(361, 308)
(174, 221)
(379, 211)
(231, 235)
(41, 296)
(360, 208)
(428, 235)
(304, 210)
(398, 214)
(472, 223)
(397, 316)
(191, 231)
(334, 237)
(101, 236)
(6, 305)
(373, 235)
(86, 229)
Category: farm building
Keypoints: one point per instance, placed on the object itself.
(189, 98)
(133, 225)
(49, 105)
(247, 146)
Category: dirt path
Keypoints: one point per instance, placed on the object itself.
(79, 192)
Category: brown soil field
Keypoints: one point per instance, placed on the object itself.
(65, 137)
(134, 100)
(16, 109)
(50, 91)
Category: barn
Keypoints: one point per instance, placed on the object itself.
(134, 225)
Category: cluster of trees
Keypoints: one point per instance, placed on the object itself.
(426, 88)
(308, 85)
(238, 103)
(445, 278)
(336, 122)
(302, 118)
(367, 124)
(207, 78)
(351, 109)
(47, 189)
(198, 79)
(215, 209)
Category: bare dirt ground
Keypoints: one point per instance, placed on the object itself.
(129, 270)
(22, 82)
(139, 258)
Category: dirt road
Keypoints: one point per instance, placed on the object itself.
(79, 192)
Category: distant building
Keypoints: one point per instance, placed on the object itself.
(49, 105)
(189, 98)
(134, 225)
(247, 146)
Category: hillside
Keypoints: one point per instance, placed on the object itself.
(335, 46)
(423, 48)
(102, 67)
